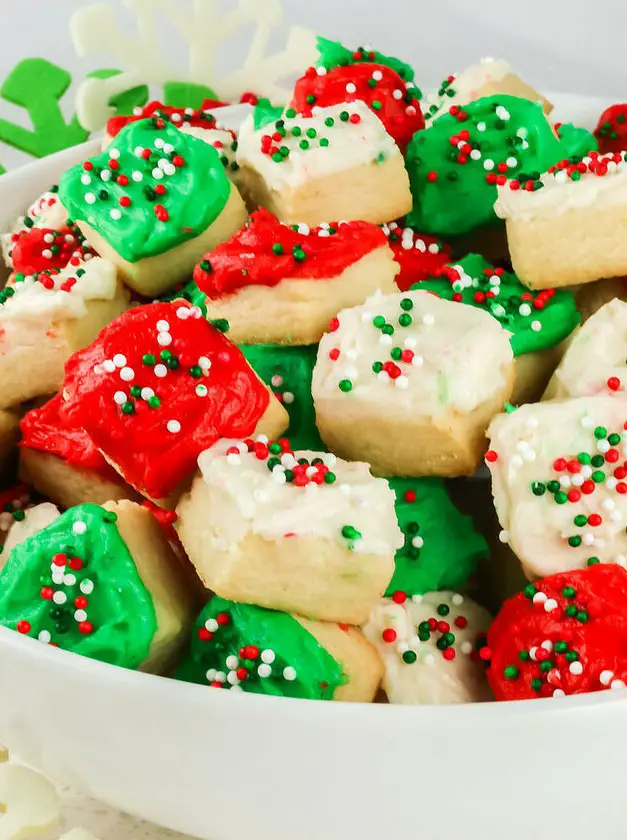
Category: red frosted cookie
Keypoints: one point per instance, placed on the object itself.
(40, 248)
(177, 116)
(565, 634)
(157, 387)
(611, 130)
(418, 255)
(281, 284)
(393, 100)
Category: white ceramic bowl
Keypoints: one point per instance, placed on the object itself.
(228, 766)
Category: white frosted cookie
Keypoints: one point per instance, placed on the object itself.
(429, 645)
(488, 77)
(318, 168)
(316, 538)
(569, 226)
(596, 360)
(409, 383)
(558, 481)
(44, 318)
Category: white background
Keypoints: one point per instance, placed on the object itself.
(557, 45)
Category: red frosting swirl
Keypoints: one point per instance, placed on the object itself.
(157, 387)
(49, 429)
(176, 116)
(380, 87)
(419, 256)
(566, 633)
(266, 251)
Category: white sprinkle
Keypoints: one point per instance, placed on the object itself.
(160, 371)
(276, 381)
(457, 600)
(288, 397)
(211, 625)
(173, 426)
(164, 339)
(289, 674)
(233, 459)
(114, 154)
(488, 164)
(466, 648)
(475, 154)
(278, 475)
(603, 446)
(211, 675)
(115, 214)
(137, 176)
(202, 390)
(559, 693)
(539, 598)
(85, 179)
(502, 113)
(59, 597)
(44, 637)
(417, 542)
(402, 383)
(79, 528)
(127, 374)
(418, 361)
(268, 656)
(80, 615)
(204, 363)
(183, 313)
(397, 94)
(105, 175)
(220, 676)
(536, 326)
(575, 668)
(163, 326)
(264, 671)
(605, 677)
(504, 536)
(351, 88)
(547, 645)
(119, 360)
(86, 586)
(550, 604)
(232, 679)
(232, 662)
(157, 173)
(69, 580)
(481, 126)
(90, 198)
(525, 309)
(417, 599)
(428, 320)
(147, 393)
(617, 684)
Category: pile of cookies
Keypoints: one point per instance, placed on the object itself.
(253, 379)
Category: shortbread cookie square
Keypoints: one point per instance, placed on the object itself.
(160, 385)
(313, 169)
(61, 461)
(277, 285)
(101, 582)
(430, 647)
(44, 318)
(568, 226)
(596, 360)
(298, 531)
(558, 471)
(409, 383)
(241, 647)
(153, 202)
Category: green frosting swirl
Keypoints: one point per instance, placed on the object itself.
(39, 598)
(501, 294)
(228, 637)
(441, 548)
(451, 184)
(288, 371)
(576, 141)
(335, 54)
(196, 187)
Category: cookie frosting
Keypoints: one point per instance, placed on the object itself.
(419, 256)
(247, 648)
(536, 320)
(157, 387)
(152, 189)
(75, 585)
(334, 54)
(266, 251)
(456, 164)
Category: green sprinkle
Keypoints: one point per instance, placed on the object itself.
(349, 532)
(574, 542)
(598, 476)
(128, 408)
(511, 672)
(571, 610)
(377, 367)
(600, 433)
(345, 385)
(582, 616)
(580, 520)
(529, 591)
(409, 657)
(378, 321)
(405, 320)
(407, 304)
(154, 402)
(329, 478)
(536, 684)
(148, 359)
(538, 488)
(592, 561)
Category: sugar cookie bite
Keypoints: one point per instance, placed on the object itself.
(385, 85)
(538, 321)
(298, 531)
(457, 162)
(241, 647)
(47, 316)
(565, 634)
(441, 547)
(101, 582)
(277, 284)
(160, 385)
(569, 225)
(153, 202)
(61, 461)
(409, 383)
(558, 471)
(430, 646)
(488, 77)
(418, 256)
(307, 170)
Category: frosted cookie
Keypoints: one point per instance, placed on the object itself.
(558, 471)
(387, 88)
(410, 383)
(538, 321)
(277, 285)
(101, 582)
(488, 77)
(312, 169)
(596, 360)
(296, 531)
(246, 648)
(9, 436)
(153, 202)
(46, 317)
(569, 225)
(441, 548)
(60, 460)
(430, 648)
(40, 249)
(45, 212)
(288, 371)
(31, 520)
(418, 256)
(611, 130)
(456, 163)
(160, 385)
(566, 634)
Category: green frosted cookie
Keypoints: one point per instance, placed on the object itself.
(537, 320)
(288, 371)
(240, 646)
(441, 548)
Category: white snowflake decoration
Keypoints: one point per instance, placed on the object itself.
(203, 26)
